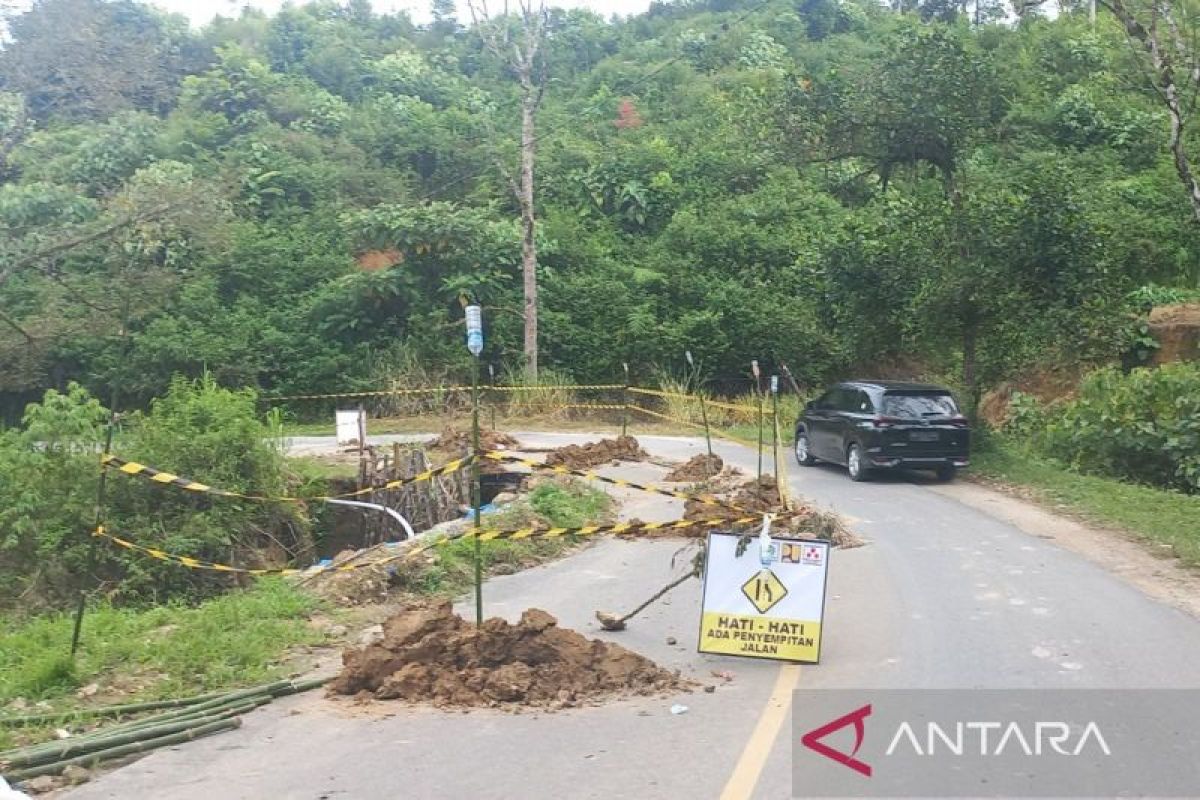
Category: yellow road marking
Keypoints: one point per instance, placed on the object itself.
(758, 747)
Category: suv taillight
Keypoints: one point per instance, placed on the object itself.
(959, 422)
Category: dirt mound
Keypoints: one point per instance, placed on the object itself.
(452, 439)
(592, 454)
(429, 653)
(1046, 383)
(1177, 330)
(698, 468)
(762, 496)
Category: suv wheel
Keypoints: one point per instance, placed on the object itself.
(803, 456)
(945, 473)
(854, 464)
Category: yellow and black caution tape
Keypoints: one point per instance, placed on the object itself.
(707, 500)
(713, 429)
(484, 534)
(442, 390)
(171, 479)
(210, 566)
(742, 407)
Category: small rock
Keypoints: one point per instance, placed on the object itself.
(671, 640)
(503, 569)
(503, 497)
(88, 691)
(40, 784)
(678, 709)
(336, 630)
(709, 689)
(370, 635)
(18, 704)
(75, 775)
(62, 733)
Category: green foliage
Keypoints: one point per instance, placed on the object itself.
(1143, 426)
(199, 430)
(287, 201)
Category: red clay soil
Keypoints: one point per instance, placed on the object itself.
(1177, 329)
(430, 654)
(761, 496)
(697, 468)
(593, 454)
(454, 440)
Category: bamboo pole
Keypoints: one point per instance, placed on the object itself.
(143, 746)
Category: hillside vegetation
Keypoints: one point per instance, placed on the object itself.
(297, 202)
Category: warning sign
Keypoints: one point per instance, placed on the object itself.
(764, 590)
(765, 603)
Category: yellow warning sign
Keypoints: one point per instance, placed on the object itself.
(764, 590)
(767, 602)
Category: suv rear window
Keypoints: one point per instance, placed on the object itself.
(918, 405)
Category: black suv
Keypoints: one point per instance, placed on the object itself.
(869, 425)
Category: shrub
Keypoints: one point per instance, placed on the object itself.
(1142, 426)
(198, 430)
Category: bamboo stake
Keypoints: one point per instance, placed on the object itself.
(144, 746)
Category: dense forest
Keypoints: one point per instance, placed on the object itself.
(299, 202)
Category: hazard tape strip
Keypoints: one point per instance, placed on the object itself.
(707, 500)
(171, 479)
(483, 534)
(443, 390)
(713, 429)
(210, 566)
(714, 403)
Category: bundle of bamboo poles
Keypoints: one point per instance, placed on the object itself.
(188, 719)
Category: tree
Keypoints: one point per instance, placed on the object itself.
(1158, 28)
(87, 59)
(522, 54)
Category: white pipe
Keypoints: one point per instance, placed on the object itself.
(393, 513)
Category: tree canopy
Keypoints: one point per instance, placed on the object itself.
(295, 202)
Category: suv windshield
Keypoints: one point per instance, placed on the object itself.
(918, 406)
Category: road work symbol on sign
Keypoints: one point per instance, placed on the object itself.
(773, 612)
(764, 590)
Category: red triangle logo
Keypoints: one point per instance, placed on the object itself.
(812, 739)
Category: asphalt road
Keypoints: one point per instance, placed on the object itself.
(944, 596)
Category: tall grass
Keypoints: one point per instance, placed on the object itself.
(399, 369)
(546, 398)
(167, 651)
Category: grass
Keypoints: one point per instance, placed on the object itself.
(1155, 515)
(238, 639)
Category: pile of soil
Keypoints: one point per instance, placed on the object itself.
(762, 496)
(592, 454)
(1177, 329)
(454, 440)
(428, 653)
(698, 468)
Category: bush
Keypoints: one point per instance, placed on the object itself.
(1143, 426)
(214, 435)
(47, 495)
(198, 430)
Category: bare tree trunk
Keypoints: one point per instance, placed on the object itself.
(1164, 81)
(529, 229)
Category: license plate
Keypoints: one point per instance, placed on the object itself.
(923, 436)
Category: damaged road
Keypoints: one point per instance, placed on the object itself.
(944, 595)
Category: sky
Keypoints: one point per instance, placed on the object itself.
(201, 11)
